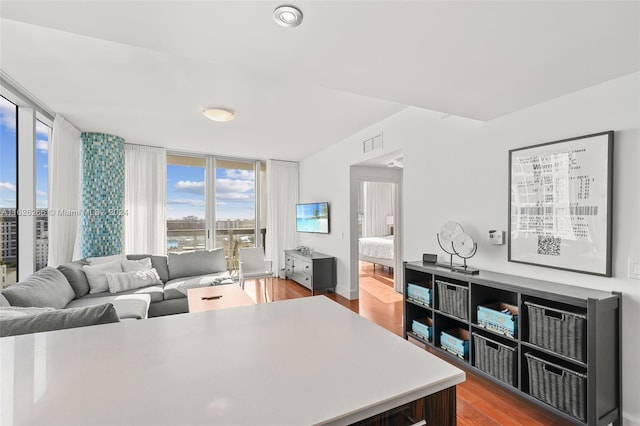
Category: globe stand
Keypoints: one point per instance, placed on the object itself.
(450, 265)
(464, 268)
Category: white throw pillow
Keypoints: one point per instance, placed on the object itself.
(97, 275)
(123, 281)
(136, 265)
(106, 259)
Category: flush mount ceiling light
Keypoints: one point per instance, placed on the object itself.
(287, 16)
(218, 114)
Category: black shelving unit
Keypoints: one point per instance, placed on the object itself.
(596, 374)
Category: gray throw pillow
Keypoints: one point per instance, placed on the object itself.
(76, 276)
(46, 288)
(59, 319)
(97, 275)
(159, 263)
(189, 264)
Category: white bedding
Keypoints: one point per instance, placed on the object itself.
(380, 247)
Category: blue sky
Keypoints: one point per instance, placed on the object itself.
(235, 190)
(8, 154)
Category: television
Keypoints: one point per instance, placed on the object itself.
(312, 217)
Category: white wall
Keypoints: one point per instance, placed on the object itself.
(457, 169)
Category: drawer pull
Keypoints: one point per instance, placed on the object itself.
(306, 267)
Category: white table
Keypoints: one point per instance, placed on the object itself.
(294, 362)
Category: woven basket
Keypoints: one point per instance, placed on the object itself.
(559, 331)
(559, 387)
(453, 299)
(494, 358)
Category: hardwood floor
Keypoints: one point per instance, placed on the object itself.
(479, 401)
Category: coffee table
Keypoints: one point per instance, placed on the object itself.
(217, 297)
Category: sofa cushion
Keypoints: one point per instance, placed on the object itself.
(177, 288)
(127, 305)
(97, 275)
(11, 312)
(106, 259)
(59, 319)
(155, 292)
(125, 281)
(159, 263)
(202, 262)
(4, 301)
(76, 276)
(143, 264)
(47, 287)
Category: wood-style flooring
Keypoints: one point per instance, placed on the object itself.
(479, 401)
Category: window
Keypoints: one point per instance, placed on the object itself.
(43, 135)
(8, 192)
(185, 210)
(235, 205)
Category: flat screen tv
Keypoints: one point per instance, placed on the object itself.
(312, 217)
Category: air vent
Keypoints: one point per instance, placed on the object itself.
(372, 144)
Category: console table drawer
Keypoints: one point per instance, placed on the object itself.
(303, 278)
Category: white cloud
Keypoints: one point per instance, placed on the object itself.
(240, 174)
(190, 186)
(224, 186)
(7, 114)
(234, 196)
(6, 186)
(42, 129)
(186, 201)
(42, 145)
(41, 193)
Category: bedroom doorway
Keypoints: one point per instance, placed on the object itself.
(375, 214)
(376, 240)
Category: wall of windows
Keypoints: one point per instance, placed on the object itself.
(8, 192)
(195, 221)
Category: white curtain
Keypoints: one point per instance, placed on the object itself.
(145, 177)
(378, 205)
(282, 197)
(64, 190)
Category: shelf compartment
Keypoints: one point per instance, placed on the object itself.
(453, 299)
(497, 359)
(499, 317)
(420, 293)
(557, 330)
(456, 341)
(557, 385)
(423, 327)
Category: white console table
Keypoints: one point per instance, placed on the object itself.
(303, 361)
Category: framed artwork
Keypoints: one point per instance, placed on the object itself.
(560, 197)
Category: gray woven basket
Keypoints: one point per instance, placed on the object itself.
(494, 358)
(453, 299)
(557, 330)
(559, 387)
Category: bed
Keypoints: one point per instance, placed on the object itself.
(377, 250)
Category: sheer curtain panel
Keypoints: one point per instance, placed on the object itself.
(282, 197)
(64, 190)
(378, 205)
(145, 176)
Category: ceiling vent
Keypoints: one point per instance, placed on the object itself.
(372, 144)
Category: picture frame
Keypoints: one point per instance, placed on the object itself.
(560, 204)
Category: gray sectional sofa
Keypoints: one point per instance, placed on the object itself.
(68, 286)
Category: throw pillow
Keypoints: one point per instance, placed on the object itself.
(58, 319)
(47, 287)
(106, 259)
(97, 275)
(11, 312)
(136, 265)
(124, 281)
(158, 262)
(189, 264)
(206, 281)
(76, 276)
(4, 301)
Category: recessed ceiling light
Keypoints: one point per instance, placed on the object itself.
(218, 114)
(287, 16)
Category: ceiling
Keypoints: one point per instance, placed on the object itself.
(144, 70)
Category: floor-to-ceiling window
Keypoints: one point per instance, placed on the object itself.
(185, 210)
(235, 210)
(43, 135)
(8, 192)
